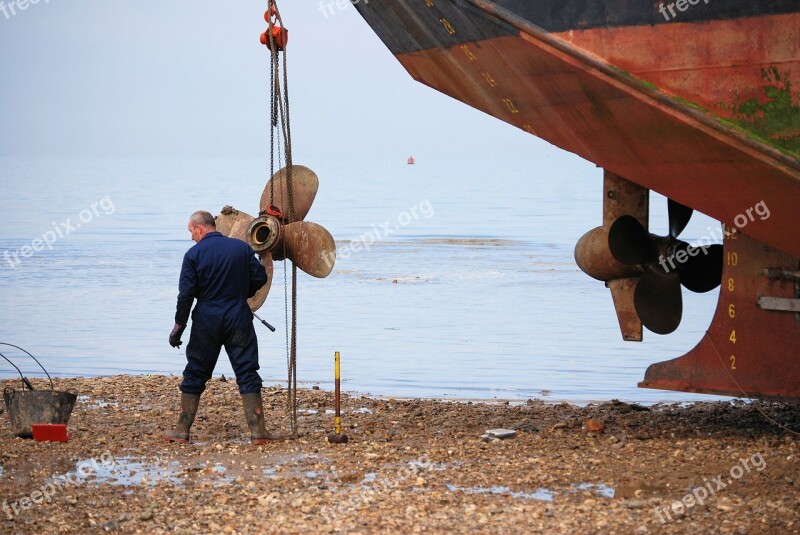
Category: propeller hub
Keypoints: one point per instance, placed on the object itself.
(264, 233)
(593, 256)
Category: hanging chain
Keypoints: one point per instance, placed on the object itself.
(290, 195)
(279, 119)
(273, 119)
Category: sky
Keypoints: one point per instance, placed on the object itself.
(143, 78)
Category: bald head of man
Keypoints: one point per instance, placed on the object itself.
(200, 224)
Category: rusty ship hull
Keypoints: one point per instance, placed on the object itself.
(692, 99)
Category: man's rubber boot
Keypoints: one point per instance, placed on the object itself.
(254, 412)
(189, 404)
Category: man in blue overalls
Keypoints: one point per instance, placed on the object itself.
(221, 273)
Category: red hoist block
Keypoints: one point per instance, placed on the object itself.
(279, 33)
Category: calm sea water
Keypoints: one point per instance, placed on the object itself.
(475, 293)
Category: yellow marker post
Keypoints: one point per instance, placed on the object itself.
(337, 421)
(337, 437)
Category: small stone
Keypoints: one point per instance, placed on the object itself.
(501, 433)
(147, 515)
(594, 426)
(635, 504)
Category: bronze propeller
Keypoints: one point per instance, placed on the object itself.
(280, 231)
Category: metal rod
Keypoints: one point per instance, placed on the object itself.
(266, 324)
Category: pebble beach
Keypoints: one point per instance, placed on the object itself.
(410, 466)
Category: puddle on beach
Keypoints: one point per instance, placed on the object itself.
(128, 471)
(602, 490)
(540, 494)
(297, 466)
(97, 403)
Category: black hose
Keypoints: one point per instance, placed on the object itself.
(24, 379)
(37, 362)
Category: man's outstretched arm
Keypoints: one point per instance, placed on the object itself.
(187, 288)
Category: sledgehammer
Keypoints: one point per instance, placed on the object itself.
(337, 437)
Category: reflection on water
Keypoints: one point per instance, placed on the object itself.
(480, 300)
(128, 471)
(540, 494)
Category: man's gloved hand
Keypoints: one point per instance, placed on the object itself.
(175, 335)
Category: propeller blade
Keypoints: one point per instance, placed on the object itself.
(658, 302)
(630, 243)
(702, 272)
(233, 223)
(304, 188)
(310, 247)
(257, 300)
(679, 216)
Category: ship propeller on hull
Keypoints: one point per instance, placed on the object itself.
(667, 263)
(279, 231)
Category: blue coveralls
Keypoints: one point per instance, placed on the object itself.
(221, 273)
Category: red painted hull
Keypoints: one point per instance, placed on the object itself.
(702, 111)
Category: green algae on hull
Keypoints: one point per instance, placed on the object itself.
(772, 116)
